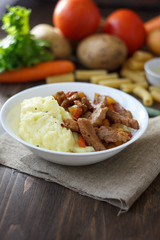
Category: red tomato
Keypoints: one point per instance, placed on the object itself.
(76, 18)
(128, 26)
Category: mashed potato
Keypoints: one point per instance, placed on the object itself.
(40, 125)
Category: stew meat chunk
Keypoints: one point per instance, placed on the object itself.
(100, 123)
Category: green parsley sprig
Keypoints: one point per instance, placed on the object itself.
(19, 48)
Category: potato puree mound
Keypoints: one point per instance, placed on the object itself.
(40, 125)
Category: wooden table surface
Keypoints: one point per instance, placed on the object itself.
(31, 208)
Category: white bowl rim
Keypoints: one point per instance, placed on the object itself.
(147, 67)
(133, 139)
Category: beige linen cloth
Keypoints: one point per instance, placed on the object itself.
(119, 180)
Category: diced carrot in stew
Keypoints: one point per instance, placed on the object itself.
(81, 141)
(110, 101)
(111, 145)
(77, 113)
(106, 123)
(129, 133)
(81, 94)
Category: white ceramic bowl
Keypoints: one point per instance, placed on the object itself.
(152, 69)
(11, 109)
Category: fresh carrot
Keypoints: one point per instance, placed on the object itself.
(152, 24)
(37, 72)
(81, 141)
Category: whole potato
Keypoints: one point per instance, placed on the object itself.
(102, 51)
(153, 41)
(60, 46)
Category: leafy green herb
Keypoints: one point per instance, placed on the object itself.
(19, 48)
(16, 20)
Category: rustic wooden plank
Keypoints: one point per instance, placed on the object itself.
(32, 208)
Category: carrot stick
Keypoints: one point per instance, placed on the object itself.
(81, 141)
(152, 24)
(37, 72)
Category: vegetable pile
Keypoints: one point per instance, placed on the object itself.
(19, 48)
(24, 58)
(81, 35)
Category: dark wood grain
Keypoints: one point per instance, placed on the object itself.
(33, 209)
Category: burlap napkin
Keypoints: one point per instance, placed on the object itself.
(119, 180)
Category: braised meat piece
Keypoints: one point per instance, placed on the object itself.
(115, 117)
(80, 104)
(66, 100)
(86, 114)
(73, 97)
(100, 100)
(71, 124)
(85, 104)
(109, 134)
(100, 122)
(69, 101)
(88, 103)
(66, 103)
(89, 134)
(121, 110)
(60, 97)
(98, 115)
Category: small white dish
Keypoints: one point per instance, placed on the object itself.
(10, 113)
(152, 69)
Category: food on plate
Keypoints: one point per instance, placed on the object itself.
(41, 121)
(70, 122)
(61, 47)
(102, 51)
(128, 26)
(19, 49)
(38, 72)
(103, 123)
(103, 118)
(87, 74)
(153, 40)
(152, 24)
(144, 95)
(76, 19)
(68, 77)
